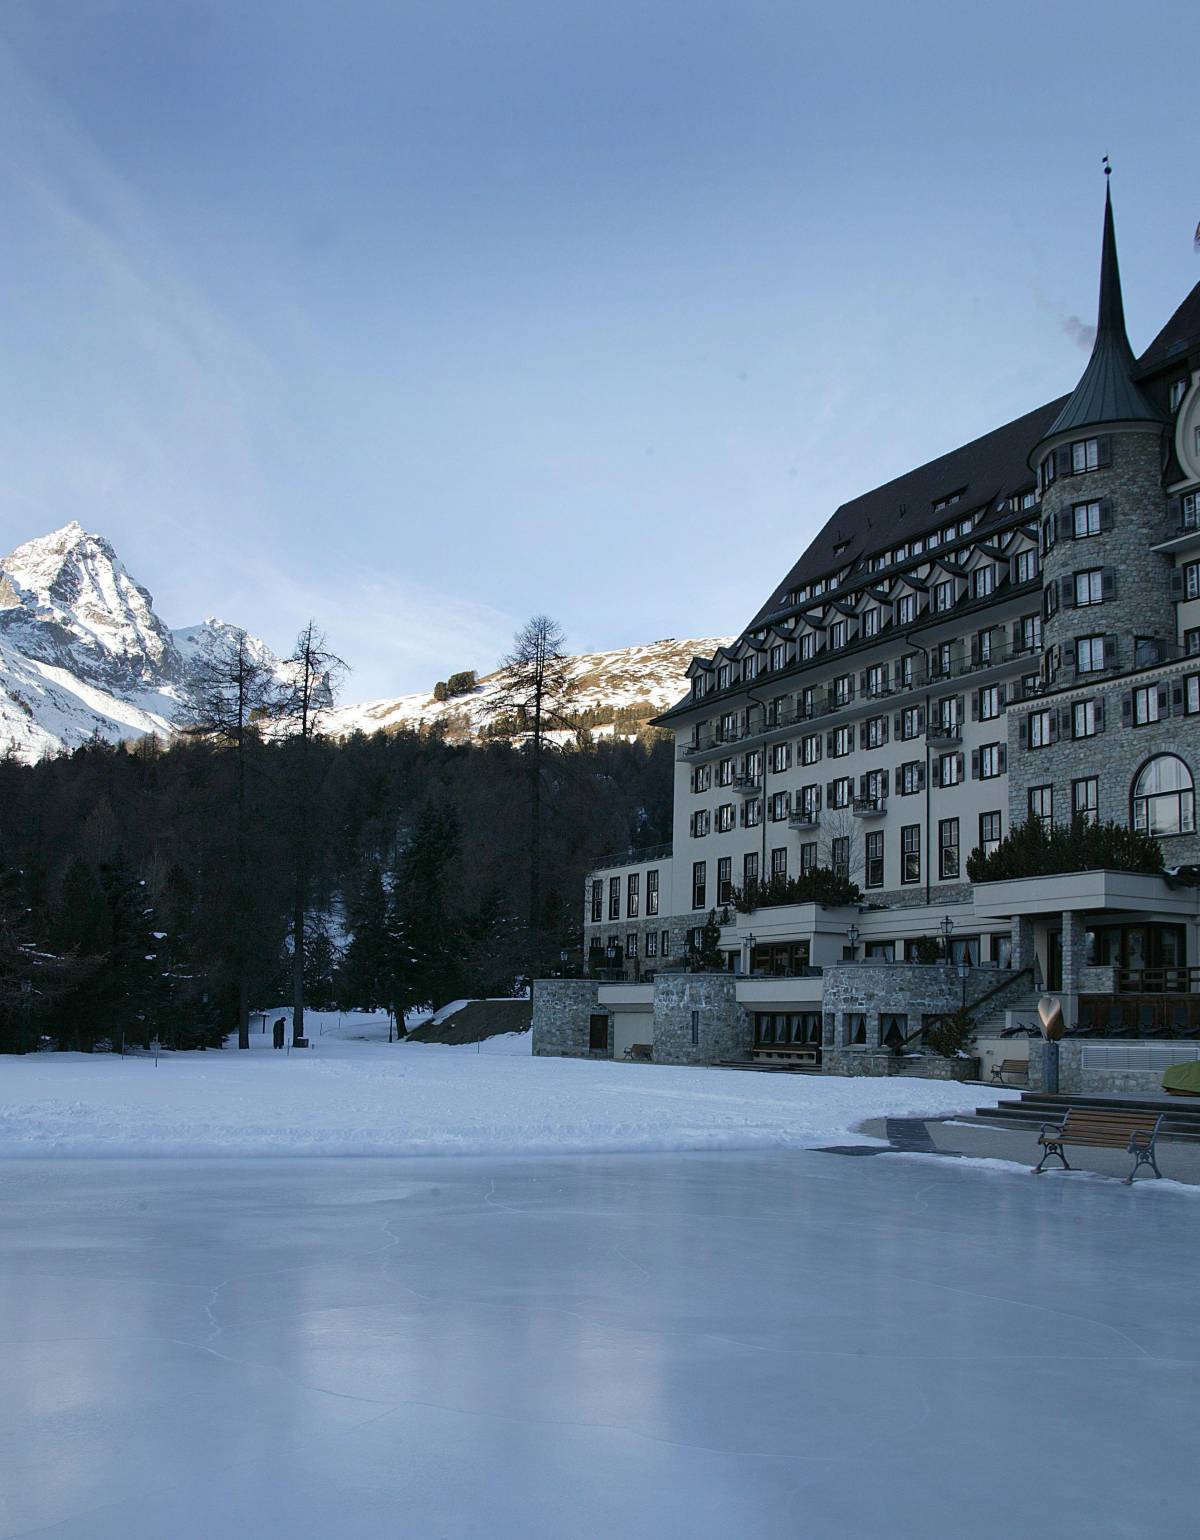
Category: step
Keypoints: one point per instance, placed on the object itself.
(1034, 1108)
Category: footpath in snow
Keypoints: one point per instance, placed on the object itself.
(354, 1094)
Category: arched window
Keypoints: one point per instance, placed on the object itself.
(1163, 799)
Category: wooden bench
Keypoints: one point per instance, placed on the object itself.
(642, 1052)
(802, 1053)
(1133, 1132)
(1017, 1067)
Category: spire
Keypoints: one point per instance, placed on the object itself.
(1106, 392)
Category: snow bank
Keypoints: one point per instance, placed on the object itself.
(368, 1098)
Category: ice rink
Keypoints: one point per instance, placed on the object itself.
(784, 1344)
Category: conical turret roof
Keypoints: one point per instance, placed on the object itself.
(1106, 392)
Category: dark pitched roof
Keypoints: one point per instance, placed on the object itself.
(1106, 391)
(1179, 337)
(898, 511)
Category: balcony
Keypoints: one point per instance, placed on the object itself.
(943, 735)
(747, 785)
(805, 818)
(869, 807)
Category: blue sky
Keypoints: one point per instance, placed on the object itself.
(422, 317)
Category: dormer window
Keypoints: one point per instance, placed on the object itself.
(948, 501)
(906, 609)
(943, 596)
(808, 646)
(778, 655)
(983, 582)
(1178, 391)
(871, 622)
(749, 667)
(841, 547)
(837, 634)
(723, 676)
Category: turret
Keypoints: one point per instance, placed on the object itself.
(1106, 594)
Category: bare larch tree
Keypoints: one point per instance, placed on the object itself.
(315, 673)
(227, 693)
(535, 698)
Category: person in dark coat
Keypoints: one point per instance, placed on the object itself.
(277, 1032)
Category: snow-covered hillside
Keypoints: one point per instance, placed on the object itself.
(83, 654)
(635, 681)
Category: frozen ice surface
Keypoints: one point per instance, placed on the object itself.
(764, 1344)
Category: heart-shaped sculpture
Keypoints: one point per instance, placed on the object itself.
(1050, 1012)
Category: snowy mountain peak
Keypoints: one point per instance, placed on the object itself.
(68, 601)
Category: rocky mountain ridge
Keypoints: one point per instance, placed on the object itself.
(84, 654)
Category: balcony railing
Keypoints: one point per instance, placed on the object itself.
(747, 785)
(869, 807)
(804, 818)
(1158, 981)
(943, 735)
(633, 857)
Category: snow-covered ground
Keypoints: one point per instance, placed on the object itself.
(354, 1094)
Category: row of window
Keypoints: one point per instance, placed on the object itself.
(901, 553)
(840, 857)
(1079, 522)
(653, 943)
(943, 596)
(633, 896)
(1161, 801)
(1088, 454)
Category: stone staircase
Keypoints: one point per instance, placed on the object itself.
(1181, 1114)
(1018, 1010)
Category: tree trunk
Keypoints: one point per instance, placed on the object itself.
(243, 1011)
(298, 916)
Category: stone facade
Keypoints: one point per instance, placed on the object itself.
(913, 990)
(562, 1018)
(697, 1019)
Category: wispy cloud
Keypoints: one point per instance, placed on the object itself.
(1080, 333)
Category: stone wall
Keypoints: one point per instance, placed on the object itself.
(924, 1066)
(562, 1012)
(910, 989)
(721, 1027)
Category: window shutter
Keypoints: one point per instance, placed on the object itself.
(1175, 509)
(961, 762)
(896, 723)
(816, 799)
(883, 725)
(1164, 700)
(1176, 700)
(960, 708)
(1064, 521)
(1065, 721)
(1110, 652)
(1108, 583)
(1023, 731)
(1002, 693)
(1106, 515)
(1066, 591)
(920, 719)
(1104, 450)
(974, 705)
(974, 764)
(884, 781)
(1126, 709)
(1176, 585)
(1003, 757)
(1062, 460)
(1053, 724)
(1069, 654)
(1016, 636)
(862, 785)
(936, 773)
(829, 785)
(1100, 715)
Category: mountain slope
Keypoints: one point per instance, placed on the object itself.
(637, 682)
(84, 654)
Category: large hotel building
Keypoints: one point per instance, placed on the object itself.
(1011, 631)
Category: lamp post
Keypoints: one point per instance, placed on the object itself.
(946, 925)
(852, 938)
(750, 953)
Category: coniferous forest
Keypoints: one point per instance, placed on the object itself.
(153, 892)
